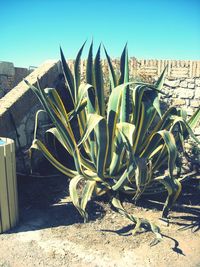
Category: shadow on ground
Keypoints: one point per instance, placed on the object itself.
(42, 204)
(186, 211)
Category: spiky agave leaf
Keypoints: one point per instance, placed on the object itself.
(77, 75)
(98, 75)
(113, 79)
(68, 76)
(89, 67)
(124, 78)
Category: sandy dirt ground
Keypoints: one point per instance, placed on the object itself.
(51, 232)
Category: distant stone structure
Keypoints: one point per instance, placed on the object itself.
(10, 76)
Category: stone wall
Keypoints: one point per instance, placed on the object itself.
(182, 81)
(182, 78)
(185, 92)
(10, 76)
(176, 68)
(19, 106)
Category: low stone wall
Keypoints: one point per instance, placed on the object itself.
(18, 107)
(185, 92)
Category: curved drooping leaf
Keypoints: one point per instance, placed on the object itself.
(38, 145)
(169, 144)
(86, 196)
(82, 93)
(86, 163)
(139, 223)
(186, 128)
(97, 124)
(173, 187)
(36, 122)
(74, 194)
(113, 114)
(127, 129)
(93, 120)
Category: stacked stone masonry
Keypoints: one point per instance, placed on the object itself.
(182, 81)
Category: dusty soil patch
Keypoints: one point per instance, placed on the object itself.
(51, 232)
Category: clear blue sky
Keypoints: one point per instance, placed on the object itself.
(32, 30)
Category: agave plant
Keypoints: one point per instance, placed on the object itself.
(118, 148)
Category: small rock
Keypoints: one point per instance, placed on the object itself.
(191, 85)
(195, 103)
(197, 131)
(179, 101)
(183, 84)
(184, 93)
(197, 92)
(173, 83)
(197, 81)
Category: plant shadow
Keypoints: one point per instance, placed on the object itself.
(185, 212)
(44, 203)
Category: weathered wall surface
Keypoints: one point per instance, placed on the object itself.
(18, 108)
(176, 68)
(10, 76)
(182, 82)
